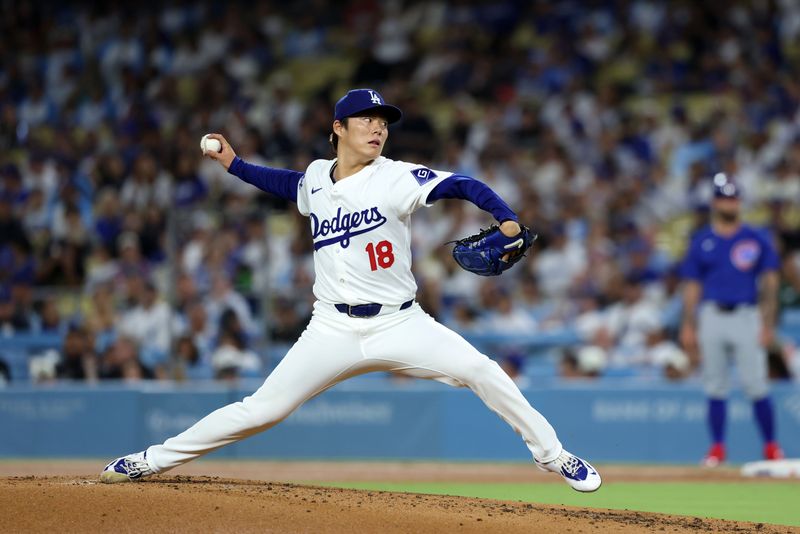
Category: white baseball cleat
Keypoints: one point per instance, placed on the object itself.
(127, 468)
(576, 472)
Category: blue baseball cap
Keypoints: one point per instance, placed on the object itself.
(724, 188)
(358, 100)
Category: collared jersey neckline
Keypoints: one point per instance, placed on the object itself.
(372, 164)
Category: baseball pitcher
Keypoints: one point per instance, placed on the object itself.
(359, 207)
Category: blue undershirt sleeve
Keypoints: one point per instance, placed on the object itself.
(466, 188)
(280, 182)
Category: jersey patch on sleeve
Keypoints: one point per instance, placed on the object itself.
(423, 175)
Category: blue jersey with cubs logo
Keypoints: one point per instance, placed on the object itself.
(728, 267)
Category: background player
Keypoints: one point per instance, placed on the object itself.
(365, 318)
(723, 267)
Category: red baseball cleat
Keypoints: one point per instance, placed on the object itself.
(715, 456)
(773, 451)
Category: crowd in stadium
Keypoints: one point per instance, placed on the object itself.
(600, 126)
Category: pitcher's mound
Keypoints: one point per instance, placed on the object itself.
(204, 504)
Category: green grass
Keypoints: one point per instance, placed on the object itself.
(759, 502)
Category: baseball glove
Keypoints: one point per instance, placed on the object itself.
(483, 253)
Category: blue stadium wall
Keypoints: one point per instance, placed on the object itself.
(607, 422)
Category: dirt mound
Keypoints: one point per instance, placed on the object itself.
(170, 503)
(383, 471)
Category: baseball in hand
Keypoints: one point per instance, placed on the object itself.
(208, 144)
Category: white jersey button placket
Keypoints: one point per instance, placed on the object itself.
(340, 264)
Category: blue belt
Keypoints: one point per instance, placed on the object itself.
(367, 310)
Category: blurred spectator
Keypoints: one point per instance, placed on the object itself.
(287, 323)
(513, 365)
(101, 268)
(504, 317)
(429, 298)
(668, 297)
(254, 254)
(108, 218)
(629, 321)
(101, 316)
(147, 321)
(131, 262)
(557, 267)
(590, 322)
(5, 374)
(584, 362)
(147, 185)
(189, 188)
(101, 177)
(666, 357)
(412, 141)
(198, 328)
(531, 301)
(121, 362)
(11, 231)
(37, 109)
(12, 317)
(65, 263)
(463, 317)
(196, 247)
(12, 187)
(186, 293)
(36, 217)
(94, 110)
(78, 360)
(40, 173)
(109, 171)
(231, 359)
(223, 298)
(188, 365)
(47, 318)
(638, 262)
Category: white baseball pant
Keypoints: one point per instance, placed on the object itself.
(335, 347)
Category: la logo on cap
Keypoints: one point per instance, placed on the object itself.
(376, 99)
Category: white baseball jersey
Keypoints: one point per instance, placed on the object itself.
(360, 228)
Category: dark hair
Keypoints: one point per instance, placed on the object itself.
(5, 372)
(333, 139)
(231, 327)
(194, 353)
(229, 321)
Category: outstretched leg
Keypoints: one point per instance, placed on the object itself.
(324, 355)
(418, 346)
